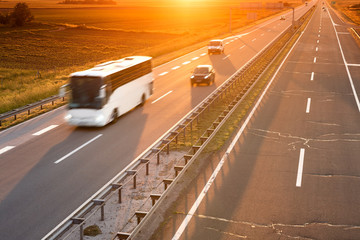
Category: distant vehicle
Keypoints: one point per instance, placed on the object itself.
(101, 94)
(216, 46)
(203, 74)
(282, 17)
(306, 3)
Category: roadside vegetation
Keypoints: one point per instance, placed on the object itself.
(349, 9)
(39, 56)
(20, 15)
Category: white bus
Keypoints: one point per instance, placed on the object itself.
(101, 94)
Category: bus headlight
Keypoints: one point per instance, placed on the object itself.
(99, 119)
(67, 117)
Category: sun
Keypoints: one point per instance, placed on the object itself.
(192, 2)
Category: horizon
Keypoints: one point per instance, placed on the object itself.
(130, 3)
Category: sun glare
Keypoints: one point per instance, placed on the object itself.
(189, 3)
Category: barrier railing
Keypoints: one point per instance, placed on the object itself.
(228, 96)
(14, 113)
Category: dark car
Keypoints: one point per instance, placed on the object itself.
(203, 74)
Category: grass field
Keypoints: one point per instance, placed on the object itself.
(36, 59)
(350, 13)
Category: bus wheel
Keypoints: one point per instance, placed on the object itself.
(115, 116)
(143, 99)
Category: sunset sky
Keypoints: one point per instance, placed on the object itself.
(120, 3)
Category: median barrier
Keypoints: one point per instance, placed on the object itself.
(223, 100)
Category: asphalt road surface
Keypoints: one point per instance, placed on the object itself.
(294, 171)
(48, 169)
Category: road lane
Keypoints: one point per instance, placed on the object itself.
(29, 173)
(291, 174)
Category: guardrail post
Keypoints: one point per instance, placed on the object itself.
(178, 169)
(119, 187)
(79, 221)
(167, 143)
(196, 148)
(132, 172)
(154, 198)
(146, 161)
(176, 136)
(203, 139)
(157, 151)
(140, 215)
(187, 158)
(122, 235)
(101, 202)
(167, 182)
(182, 126)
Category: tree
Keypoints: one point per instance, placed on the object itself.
(4, 18)
(21, 14)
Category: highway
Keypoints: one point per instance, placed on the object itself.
(293, 170)
(48, 168)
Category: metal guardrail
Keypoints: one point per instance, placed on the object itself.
(153, 153)
(356, 32)
(28, 108)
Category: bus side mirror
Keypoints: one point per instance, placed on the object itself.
(62, 91)
(102, 92)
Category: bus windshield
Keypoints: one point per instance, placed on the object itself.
(85, 92)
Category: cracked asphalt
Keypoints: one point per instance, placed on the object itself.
(309, 115)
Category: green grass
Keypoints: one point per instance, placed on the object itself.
(62, 41)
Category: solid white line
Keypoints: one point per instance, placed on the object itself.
(82, 146)
(187, 62)
(198, 200)
(312, 76)
(308, 105)
(174, 68)
(45, 130)
(346, 67)
(162, 74)
(353, 65)
(314, 59)
(300, 167)
(226, 57)
(161, 97)
(135, 160)
(5, 149)
(188, 217)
